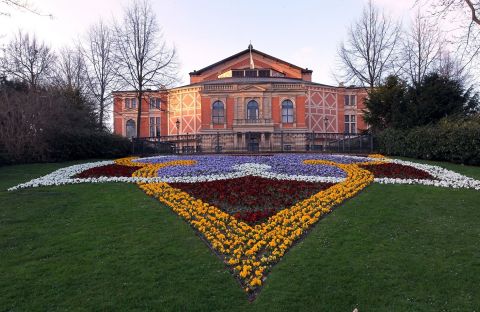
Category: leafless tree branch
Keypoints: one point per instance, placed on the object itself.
(71, 70)
(420, 49)
(21, 5)
(27, 60)
(144, 60)
(98, 52)
(371, 48)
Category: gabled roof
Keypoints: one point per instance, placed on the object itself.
(246, 51)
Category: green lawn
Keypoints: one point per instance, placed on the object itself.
(109, 247)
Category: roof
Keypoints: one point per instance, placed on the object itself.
(253, 80)
(198, 72)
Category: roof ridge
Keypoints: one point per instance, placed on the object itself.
(197, 72)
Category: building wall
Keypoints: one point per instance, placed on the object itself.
(121, 114)
(192, 106)
(184, 105)
(352, 110)
(322, 102)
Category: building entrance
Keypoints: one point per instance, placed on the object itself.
(253, 141)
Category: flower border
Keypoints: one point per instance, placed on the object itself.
(443, 177)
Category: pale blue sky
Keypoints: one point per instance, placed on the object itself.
(306, 33)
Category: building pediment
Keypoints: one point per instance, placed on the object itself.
(246, 59)
(250, 88)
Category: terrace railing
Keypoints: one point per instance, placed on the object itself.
(263, 121)
(255, 142)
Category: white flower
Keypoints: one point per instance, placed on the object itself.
(443, 177)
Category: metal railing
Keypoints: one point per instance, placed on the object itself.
(255, 142)
(258, 121)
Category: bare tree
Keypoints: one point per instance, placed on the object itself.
(448, 65)
(101, 67)
(420, 49)
(22, 5)
(463, 16)
(71, 70)
(370, 50)
(144, 60)
(444, 7)
(28, 60)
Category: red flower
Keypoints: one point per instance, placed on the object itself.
(391, 170)
(108, 171)
(252, 199)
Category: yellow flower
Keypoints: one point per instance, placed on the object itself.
(244, 246)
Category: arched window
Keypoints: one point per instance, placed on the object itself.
(252, 110)
(130, 128)
(218, 112)
(287, 111)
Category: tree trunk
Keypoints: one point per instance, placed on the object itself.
(100, 117)
(139, 114)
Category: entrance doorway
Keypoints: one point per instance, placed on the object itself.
(253, 141)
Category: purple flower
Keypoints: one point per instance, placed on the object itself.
(289, 164)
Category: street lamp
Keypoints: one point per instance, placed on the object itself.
(177, 123)
(325, 120)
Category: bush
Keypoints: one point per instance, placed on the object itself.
(45, 125)
(456, 141)
(87, 144)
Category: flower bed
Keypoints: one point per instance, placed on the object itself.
(397, 171)
(251, 250)
(112, 170)
(251, 209)
(251, 198)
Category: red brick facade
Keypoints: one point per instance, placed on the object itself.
(254, 99)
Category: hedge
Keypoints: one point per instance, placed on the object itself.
(73, 145)
(455, 141)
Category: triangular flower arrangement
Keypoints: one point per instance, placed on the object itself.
(250, 251)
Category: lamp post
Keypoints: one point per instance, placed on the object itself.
(177, 123)
(325, 121)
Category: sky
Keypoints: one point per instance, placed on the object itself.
(305, 33)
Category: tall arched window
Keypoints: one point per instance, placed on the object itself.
(218, 112)
(252, 110)
(130, 128)
(287, 111)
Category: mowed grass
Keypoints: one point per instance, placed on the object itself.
(109, 247)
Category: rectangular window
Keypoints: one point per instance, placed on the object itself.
(350, 99)
(155, 103)
(287, 115)
(237, 73)
(133, 103)
(251, 73)
(218, 117)
(350, 124)
(157, 126)
(127, 103)
(264, 73)
(152, 126)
